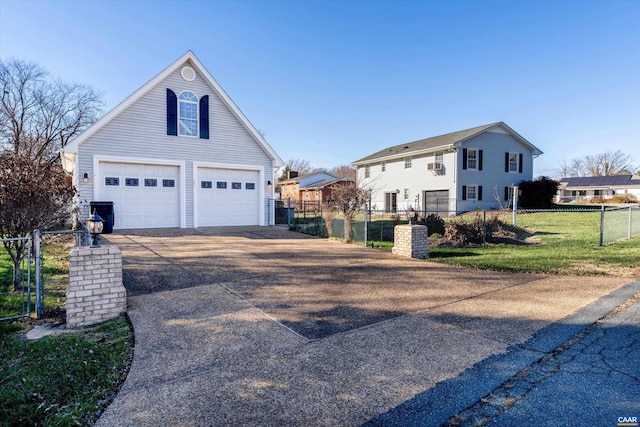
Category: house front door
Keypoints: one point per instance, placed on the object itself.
(390, 202)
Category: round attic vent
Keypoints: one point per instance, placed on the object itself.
(188, 74)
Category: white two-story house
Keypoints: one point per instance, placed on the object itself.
(451, 173)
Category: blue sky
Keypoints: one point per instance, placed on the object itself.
(334, 81)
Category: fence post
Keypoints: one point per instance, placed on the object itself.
(602, 225)
(629, 233)
(515, 205)
(289, 213)
(38, 274)
(484, 228)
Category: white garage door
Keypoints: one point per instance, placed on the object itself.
(144, 196)
(227, 197)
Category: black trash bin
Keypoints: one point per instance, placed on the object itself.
(105, 210)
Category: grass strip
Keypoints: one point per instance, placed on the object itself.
(65, 379)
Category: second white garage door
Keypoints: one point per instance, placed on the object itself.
(227, 197)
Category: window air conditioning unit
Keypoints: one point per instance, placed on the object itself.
(434, 166)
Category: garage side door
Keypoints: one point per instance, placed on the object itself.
(227, 197)
(144, 196)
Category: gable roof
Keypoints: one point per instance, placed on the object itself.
(190, 57)
(307, 176)
(441, 142)
(601, 181)
(327, 182)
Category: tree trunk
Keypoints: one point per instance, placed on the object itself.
(347, 229)
(17, 286)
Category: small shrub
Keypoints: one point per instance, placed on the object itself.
(435, 224)
(626, 198)
(461, 231)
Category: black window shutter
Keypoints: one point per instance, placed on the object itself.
(506, 193)
(480, 192)
(506, 162)
(464, 159)
(172, 113)
(520, 164)
(464, 192)
(204, 117)
(479, 160)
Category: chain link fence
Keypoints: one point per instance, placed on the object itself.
(598, 225)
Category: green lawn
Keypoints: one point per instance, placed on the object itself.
(556, 243)
(559, 243)
(62, 380)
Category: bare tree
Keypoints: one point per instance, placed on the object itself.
(298, 165)
(39, 116)
(344, 171)
(32, 196)
(349, 199)
(604, 164)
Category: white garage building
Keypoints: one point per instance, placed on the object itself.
(176, 153)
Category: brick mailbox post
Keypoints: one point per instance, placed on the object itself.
(95, 292)
(411, 241)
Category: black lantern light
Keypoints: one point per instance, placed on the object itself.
(94, 225)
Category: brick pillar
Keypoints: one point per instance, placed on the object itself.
(95, 292)
(411, 240)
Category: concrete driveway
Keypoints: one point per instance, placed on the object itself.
(262, 326)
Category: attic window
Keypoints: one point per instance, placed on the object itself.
(188, 114)
(407, 163)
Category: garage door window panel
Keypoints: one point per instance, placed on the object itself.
(150, 182)
(206, 184)
(169, 183)
(250, 186)
(112, 181)
(132, 182)
(221, 185)
(236, 186)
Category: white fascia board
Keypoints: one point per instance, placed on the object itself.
(534, 150)
(236, 110)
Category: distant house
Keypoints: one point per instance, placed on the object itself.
(176, 153)
(313, 187)
(585, 189)
(451, 173)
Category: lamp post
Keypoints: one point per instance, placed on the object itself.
(94, 225)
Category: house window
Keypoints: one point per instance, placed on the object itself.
(188, 114)
(131, 182)
(407, 163)
(383, 166)
(112, 181)
(250, 186)
(367, 171)
(206, 184)
(150, 182)
(472, 159)
(236, 186)
(439, 157)
(406, 194)
(513, 162)
(221, 185)
(472, 192)
(168, 183)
